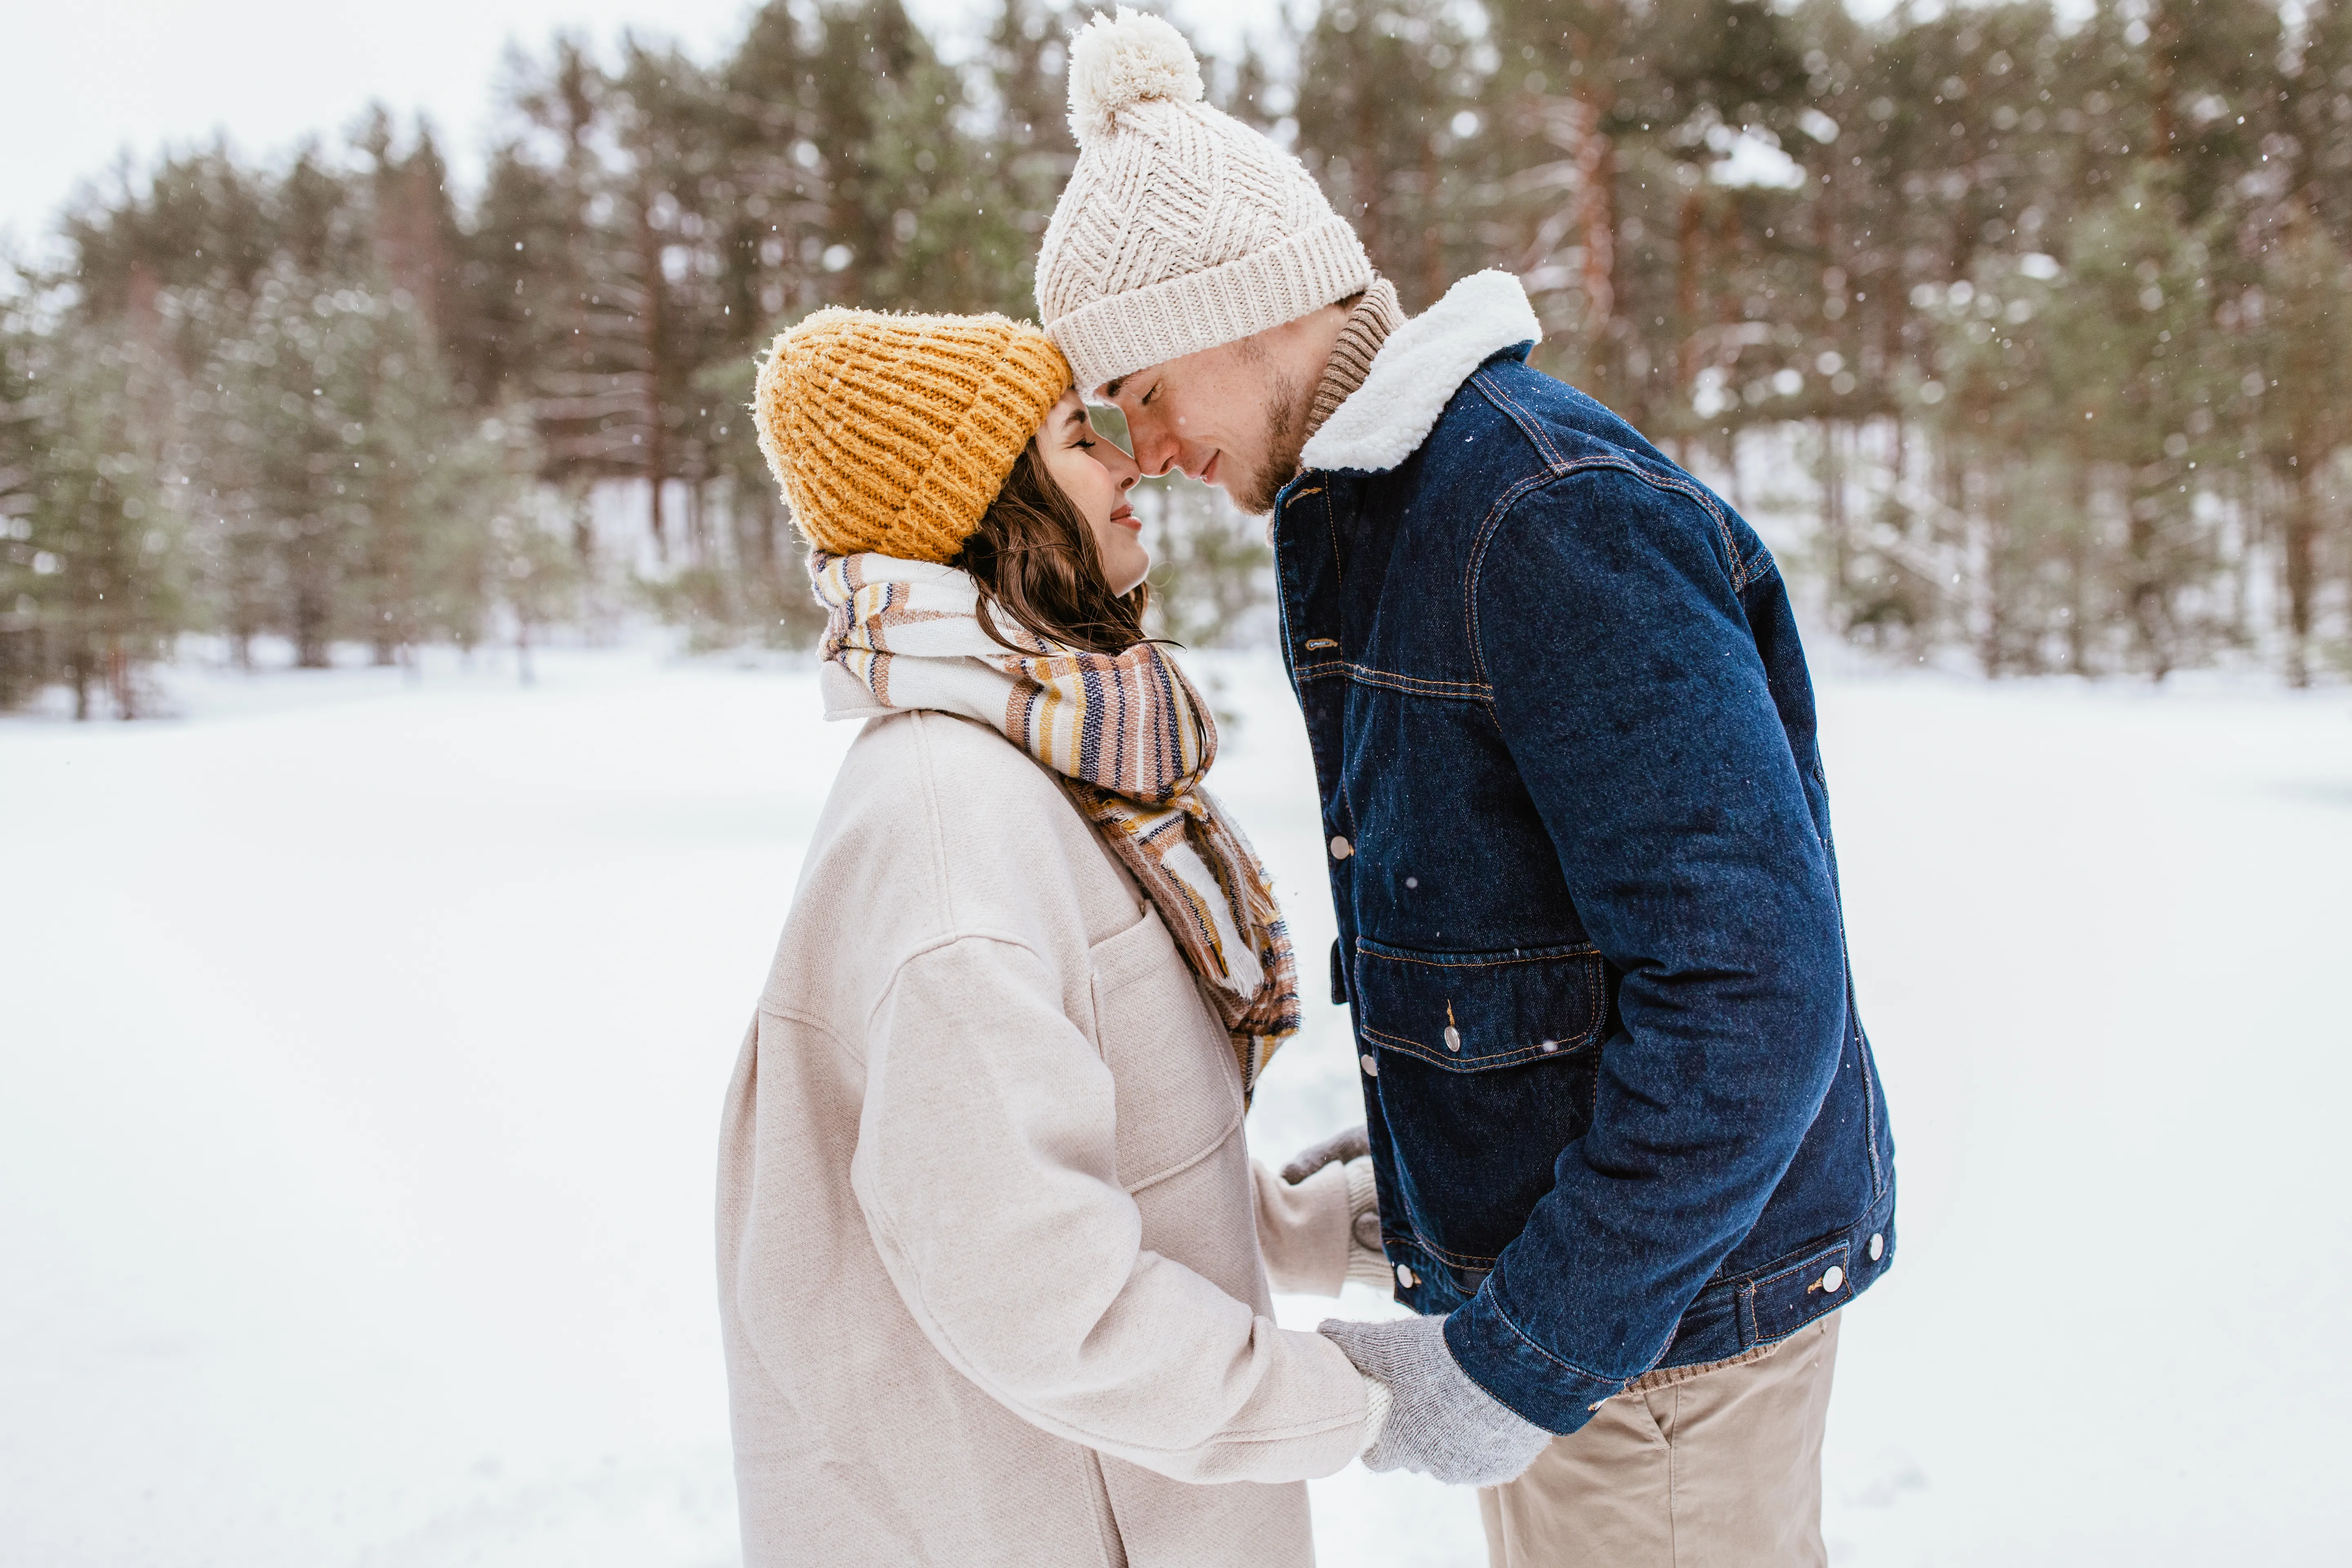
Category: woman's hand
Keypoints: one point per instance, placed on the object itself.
(1438, 1421)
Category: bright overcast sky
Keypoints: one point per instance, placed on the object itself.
(87, 81)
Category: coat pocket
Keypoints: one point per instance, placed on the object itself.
(1468, 1012)
(1177, 1088)
(1488, 1063)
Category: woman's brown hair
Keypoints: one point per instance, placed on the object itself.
(1034, 560)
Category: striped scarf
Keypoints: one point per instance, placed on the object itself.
(1127, 737)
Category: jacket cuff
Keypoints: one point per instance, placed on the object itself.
(1555, 1394)
(1368, 1264)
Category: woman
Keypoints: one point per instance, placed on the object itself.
(993, 1258)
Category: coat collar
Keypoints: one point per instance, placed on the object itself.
(1417, 372)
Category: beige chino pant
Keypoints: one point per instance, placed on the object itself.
(1722, 1469)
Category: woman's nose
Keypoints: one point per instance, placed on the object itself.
(1122, 467)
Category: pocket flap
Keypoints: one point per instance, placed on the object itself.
(1177, 1088)
(1470, 1011)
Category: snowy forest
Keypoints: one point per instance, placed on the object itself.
(2038, 325)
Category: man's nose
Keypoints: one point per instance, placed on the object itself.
(1155, 450)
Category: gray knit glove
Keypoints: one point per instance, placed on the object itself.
(1439, 1422)
(1352, 1144)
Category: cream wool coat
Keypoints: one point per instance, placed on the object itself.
(993, 1258)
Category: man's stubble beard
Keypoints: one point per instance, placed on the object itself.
(1286, 437)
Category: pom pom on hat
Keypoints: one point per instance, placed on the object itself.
(1180, 228)
(1113, 64)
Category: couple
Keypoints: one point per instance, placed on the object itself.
(996, 1261)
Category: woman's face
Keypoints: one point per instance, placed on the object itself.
(1095, 476)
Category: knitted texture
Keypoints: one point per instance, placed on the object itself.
(1370, 322)
(1180, 228)
(1439, 1422)
(892, 433)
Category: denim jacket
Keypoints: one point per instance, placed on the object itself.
(1623, 1112)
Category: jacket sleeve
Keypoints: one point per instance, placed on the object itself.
(985, 1170)
(1628, 690)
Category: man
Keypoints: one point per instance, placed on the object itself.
(1632, 1150)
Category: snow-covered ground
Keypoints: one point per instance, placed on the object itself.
(363, 1045)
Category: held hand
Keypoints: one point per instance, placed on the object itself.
(1439, 1422)
(1341, 1147)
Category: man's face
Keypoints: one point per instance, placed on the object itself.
(1230, 415)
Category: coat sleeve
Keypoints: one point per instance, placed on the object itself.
(1627, 686)
(1303, 1230)
(985, 1170)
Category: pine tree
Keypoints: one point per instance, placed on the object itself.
(92, 570)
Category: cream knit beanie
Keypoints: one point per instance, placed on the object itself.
(1180, 228)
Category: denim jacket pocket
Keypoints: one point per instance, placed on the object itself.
(1488, 1063)
(1468, 1012)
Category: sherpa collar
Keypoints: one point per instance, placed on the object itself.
(1417, 372)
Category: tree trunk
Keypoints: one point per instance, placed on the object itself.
(2078, 566)
(1690, 243)
(2300, 537)
(650, 324)
(117, 680)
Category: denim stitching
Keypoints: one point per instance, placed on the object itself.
(1561, 1051)
(1817, 1261)
(1869, 1099)
(1331, 527)
(1452, 1259)
(1742, 571)
(1563, 1048)
(1691, 487)
(1537, 437)
(1495, 1306)
(1370, 949)
(1415, 685)
(1486, 525)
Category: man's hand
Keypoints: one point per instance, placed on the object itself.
(1338, 1149)
(1439, 1422)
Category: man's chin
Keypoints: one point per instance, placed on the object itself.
(1256, 494)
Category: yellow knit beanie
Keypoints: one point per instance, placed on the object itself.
(894, 433)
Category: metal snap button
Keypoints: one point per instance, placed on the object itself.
(1452, 1039)
(1371, 1067)
(1341, 847)
(1546, 1045)
(1406, 1277)
(1877, 1247)
(1832, 1279)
